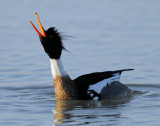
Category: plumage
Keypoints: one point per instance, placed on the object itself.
(100, 85)
(98, 80)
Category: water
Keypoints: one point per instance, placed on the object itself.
(105, 35)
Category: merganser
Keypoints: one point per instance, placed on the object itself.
(98, 85)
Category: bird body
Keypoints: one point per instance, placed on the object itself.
(99, 85)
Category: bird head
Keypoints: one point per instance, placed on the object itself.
(51, 40)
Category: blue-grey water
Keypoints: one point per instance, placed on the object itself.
(102, 35)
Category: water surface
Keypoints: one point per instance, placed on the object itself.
(105, 35)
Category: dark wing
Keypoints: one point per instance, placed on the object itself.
(83, 82)
(92, 78)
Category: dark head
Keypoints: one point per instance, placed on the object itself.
(51, 40)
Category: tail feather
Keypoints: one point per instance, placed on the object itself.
(120, 71)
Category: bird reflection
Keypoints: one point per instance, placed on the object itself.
(67, 110)
(59, 113)
(63, 110)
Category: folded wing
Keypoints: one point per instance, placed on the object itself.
(96, 81)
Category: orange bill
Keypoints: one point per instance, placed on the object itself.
(40, 26)
(42, 34)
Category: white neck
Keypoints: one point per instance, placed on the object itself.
(57, 68)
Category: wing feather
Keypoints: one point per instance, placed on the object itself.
(97, 87)
(96, 81)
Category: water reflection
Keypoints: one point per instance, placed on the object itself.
(86, 112)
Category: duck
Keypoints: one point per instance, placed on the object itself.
(96, 85)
